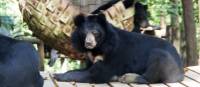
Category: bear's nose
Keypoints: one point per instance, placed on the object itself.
(88, 44)
(89, 40)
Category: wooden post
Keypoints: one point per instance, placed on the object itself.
(190, 33)
(175, 26)
(183, 50)
(162, 32)
(41, 54)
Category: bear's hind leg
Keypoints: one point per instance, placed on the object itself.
(162, 67)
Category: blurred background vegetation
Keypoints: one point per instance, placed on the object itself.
(12, 25)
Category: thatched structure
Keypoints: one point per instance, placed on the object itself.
(52, 21)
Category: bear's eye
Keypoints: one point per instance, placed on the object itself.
(95, 33)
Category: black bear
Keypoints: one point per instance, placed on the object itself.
(140, 21)
(19, 64)
(140, 17)
(150, 59)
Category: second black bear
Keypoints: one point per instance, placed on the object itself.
(140, 16)
(151, 59)
(19, 62)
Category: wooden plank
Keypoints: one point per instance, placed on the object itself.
(192, 79)
(158, 85)
(194, 68)
(175, 85)
(44, 75)
(48, 83)
(100, 85)
(190, 83)
(139, 85)
(47, 80)
(53, 80)
(65, 84)
(193, 75)
(83, 85)
(118, 84)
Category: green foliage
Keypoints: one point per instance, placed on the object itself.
(11, 19)
(168, 8)
(67, 65)
(74, 64)
(156, 7)
(197, 21)
(196, 11)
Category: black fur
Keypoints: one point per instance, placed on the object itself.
(140, 17)
(19, 63)
(154, 59)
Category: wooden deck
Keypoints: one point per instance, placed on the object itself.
(192, 79)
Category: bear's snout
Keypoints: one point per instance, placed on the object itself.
(90, 41)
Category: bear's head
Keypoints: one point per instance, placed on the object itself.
(141, 15)
(94, 33)
(90, 31)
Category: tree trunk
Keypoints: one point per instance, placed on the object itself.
(52, 22)
(175, 32)
(190, 32)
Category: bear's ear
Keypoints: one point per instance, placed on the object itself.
(101, 18)
(79, 19)
(137, 5)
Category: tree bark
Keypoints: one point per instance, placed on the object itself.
(190, 32)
